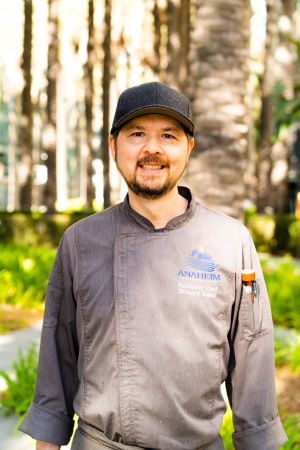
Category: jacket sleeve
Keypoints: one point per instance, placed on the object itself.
(50, 416)
(251, 375)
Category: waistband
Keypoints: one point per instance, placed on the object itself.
(88, 437)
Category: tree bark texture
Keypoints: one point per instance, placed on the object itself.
(285, 58)
(50, 193)
(106, 102)
(178, 22)
(89, 96)
(265, 128)
(26, 112)
(157, 37)
(218, 89)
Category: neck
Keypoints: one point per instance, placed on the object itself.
(161, 210)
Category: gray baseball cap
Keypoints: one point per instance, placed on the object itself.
(153, 98)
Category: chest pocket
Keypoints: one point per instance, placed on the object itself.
(252, 312)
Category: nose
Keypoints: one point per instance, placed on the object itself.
(152, 145)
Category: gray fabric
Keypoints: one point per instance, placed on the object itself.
(89, 438)
(266, 436)
(141, 329)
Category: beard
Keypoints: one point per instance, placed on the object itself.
(151, 189)
(150, 193)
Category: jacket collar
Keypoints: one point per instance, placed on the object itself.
(174, 223)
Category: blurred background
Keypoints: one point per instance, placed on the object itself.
(63, 64)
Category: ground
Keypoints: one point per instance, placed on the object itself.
(13, 318)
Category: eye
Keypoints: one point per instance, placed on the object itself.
(137, 133)
(168, 136)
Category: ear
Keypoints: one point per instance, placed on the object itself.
(191, 145)
(112, 146)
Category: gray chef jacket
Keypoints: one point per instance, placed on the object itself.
(142, 327)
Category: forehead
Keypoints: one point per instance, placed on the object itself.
(154, 120)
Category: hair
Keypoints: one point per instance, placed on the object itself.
(115, 134)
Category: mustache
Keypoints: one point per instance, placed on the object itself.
(153, 159)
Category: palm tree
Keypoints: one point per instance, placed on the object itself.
(218, 89)
(156, 11)
(89, 96)
(285, 58)
(105, 101)
(26, 110)
(50, 193)
(178, 22)
(265, 131)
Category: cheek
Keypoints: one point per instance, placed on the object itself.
(180, 158)
(126, 162)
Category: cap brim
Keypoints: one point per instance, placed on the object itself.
(165, 111)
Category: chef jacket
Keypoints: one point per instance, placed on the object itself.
(142, 327)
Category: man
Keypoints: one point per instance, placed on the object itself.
(146, 314)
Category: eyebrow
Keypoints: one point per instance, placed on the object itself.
(141, 128)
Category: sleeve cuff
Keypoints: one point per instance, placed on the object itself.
(269, 436)
(44, 425)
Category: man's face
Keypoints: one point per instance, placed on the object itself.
(151, 153)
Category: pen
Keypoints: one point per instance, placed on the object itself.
(249, 283)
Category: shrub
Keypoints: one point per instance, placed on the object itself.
(287, 348)
(20, 385)
(23, 274)
(283, 284)
(262, 229)
(294, 233)
(292, 428)
(36, 229)
(278, 235)
(280, 243)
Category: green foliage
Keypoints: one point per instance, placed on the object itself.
(227, 430)
(278, 235)
(280, 243)
(292, 428)
(35, 228)
(12, 325)
(283, 284)
(262, 228)
(287, 348)
(23, 274)
(20, 385)
(294, 234)
(286, 111)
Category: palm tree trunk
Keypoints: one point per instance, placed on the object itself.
(12, 160)
(89, 96)
(106, 102)
(185, 19)
(218, 87)
(50, 193)
(173, 43)
(157, 37)
(265, 144)
(178, 23)
(26, 112)
(285, 63)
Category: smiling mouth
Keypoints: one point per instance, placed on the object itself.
(151, 166)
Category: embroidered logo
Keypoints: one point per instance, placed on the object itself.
(201, 261)
(199, 265)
